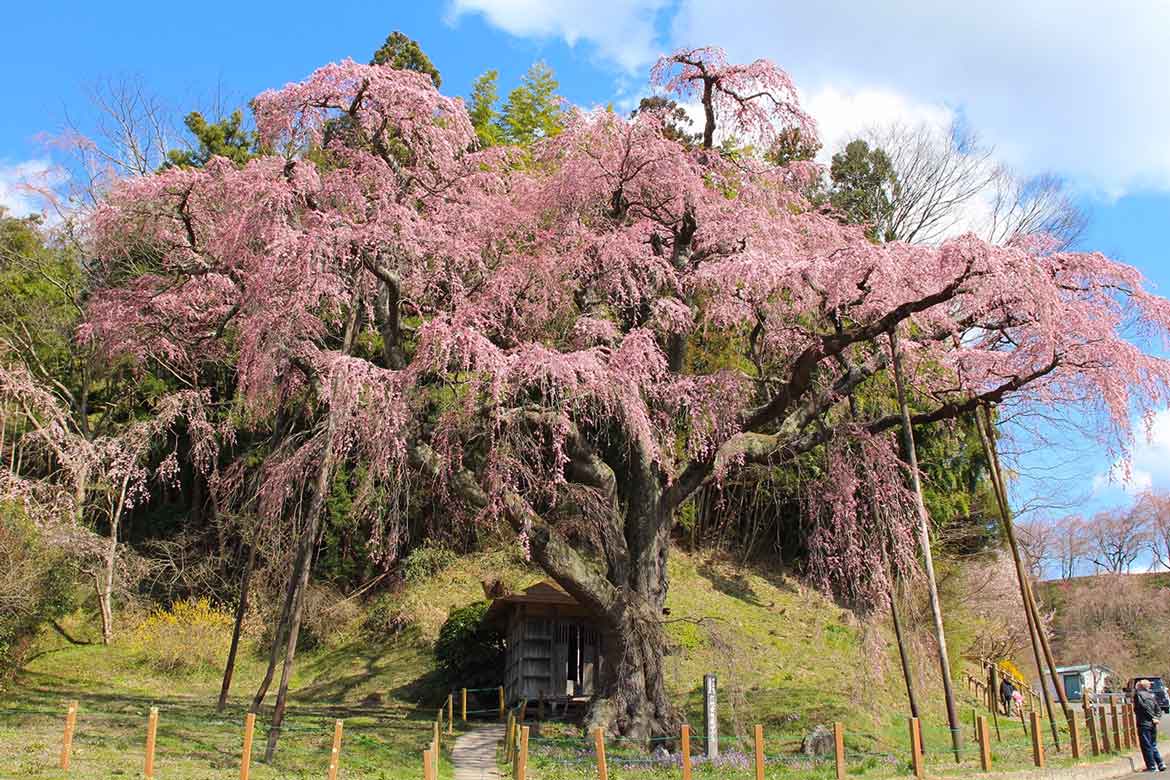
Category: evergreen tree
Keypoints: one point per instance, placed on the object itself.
(533, 109)
(402, 52)
(225, 138)
(484, 116)
(863, 184)
(676, 125)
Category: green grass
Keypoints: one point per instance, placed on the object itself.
(786, 656)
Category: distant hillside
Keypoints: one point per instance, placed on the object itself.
(1119, 621)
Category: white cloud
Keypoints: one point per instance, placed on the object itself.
(843, 115)
(1148, 463)
(1074, 87)
(19, 181)
(621, 30)
(1079, 88)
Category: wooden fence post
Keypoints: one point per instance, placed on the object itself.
(522, 764)
(1103, 723)
(1092, 726)
(984, 740)
(685, 750)
(599, 753)
(839, 749)
(1037, 741)
(435, 748)
(151, 732)
(451, 714)
(916, 749)
(1074, 735)
(428, 765)
(463, 704)
(335, 751)
(1131, 726)
(759, 752)
(508, 739)
(1116, 725)
(501, 702)
(524, 710)
(67, 739)
(246, 751)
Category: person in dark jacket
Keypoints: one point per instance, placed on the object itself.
(1147, 712)
(1006, 694)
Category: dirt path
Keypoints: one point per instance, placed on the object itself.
(474, 754)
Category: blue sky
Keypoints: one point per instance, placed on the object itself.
(1074, 88)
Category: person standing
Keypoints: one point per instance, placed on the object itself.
(1006, 693)
(1147, 712)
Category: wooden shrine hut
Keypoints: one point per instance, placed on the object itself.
(554, 649)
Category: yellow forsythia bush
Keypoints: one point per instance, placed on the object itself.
(1010, 669)
(191, 636)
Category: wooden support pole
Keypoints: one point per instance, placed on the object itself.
(428, 765)
(67, 739)
(435, 747)
(522, 764)
(911, 457)
(685, 749)
(524, 710)
(839, 749)
(984, 739)
(501, 702)
(463, 704)
(151, 733)
(1074, 736)
(1037, 742)
(246, 751)
(1103, 723)
(509, 737)
(916, 749)
(759, 740)
(451, 714)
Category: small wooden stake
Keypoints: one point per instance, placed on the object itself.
(839, 749)
(759, 752)
(508, 737)
(984, 737)
(524, 710)
(522, 765)
(67, 740)
(599, 753)
(501, 702)
(451, 714)
(1037, 741)
(246, 752)
(1074, 735)
(151, 732)
(686, 752)
(463, 704)
(916, 749)
(335, 753)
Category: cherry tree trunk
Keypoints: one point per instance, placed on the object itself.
(632, 700)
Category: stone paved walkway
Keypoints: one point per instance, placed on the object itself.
(474, 754)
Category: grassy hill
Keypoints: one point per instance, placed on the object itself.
(786, 656)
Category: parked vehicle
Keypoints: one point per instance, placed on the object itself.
(1157, 686)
